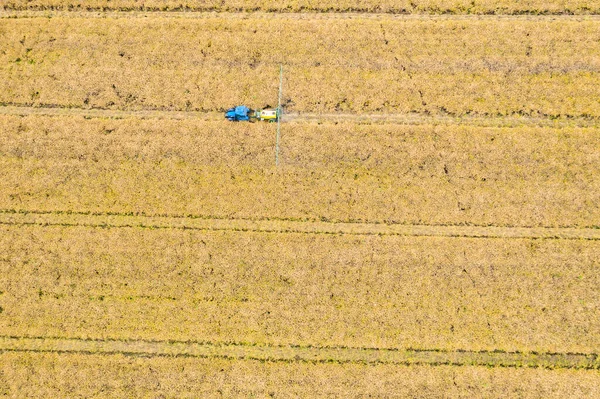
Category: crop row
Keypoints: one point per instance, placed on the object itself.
(450, 67)
(367, 291)
(366, 6)
(347, 172)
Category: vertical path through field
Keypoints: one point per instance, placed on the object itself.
(279, 116)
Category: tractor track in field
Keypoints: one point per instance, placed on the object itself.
(56, 110)
(254, 13)
(10, 217)
(298, 353)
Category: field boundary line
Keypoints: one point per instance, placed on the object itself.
(253, 13)
(297, 353)
(23, 218)
(303, 117)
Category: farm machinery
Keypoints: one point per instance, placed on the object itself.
(241, 113)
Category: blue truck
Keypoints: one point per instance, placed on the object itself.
(245, 114)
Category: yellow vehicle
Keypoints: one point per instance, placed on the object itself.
(243, 113)
(269, 115)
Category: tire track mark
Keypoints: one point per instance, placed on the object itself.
(297, 353)
(24, 218)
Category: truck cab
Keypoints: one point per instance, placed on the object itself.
(239, 113)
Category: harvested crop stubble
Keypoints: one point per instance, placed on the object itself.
(381, 173)
(386, 6)
(446, 67)
(336, 290)
(52, 375)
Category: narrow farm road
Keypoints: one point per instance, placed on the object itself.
(304, 117)
(191, 222)
(295, 353)
(107, 12)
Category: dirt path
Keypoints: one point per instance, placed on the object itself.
(294, 353)
(425, 119)
(307, 15)
(58, 218)
(306, 117)
(56, 110)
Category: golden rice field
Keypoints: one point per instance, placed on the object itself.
(441, 67)
(118, 376)
(452, 174)
(432, 228)
(286, 289)
(367, 6)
